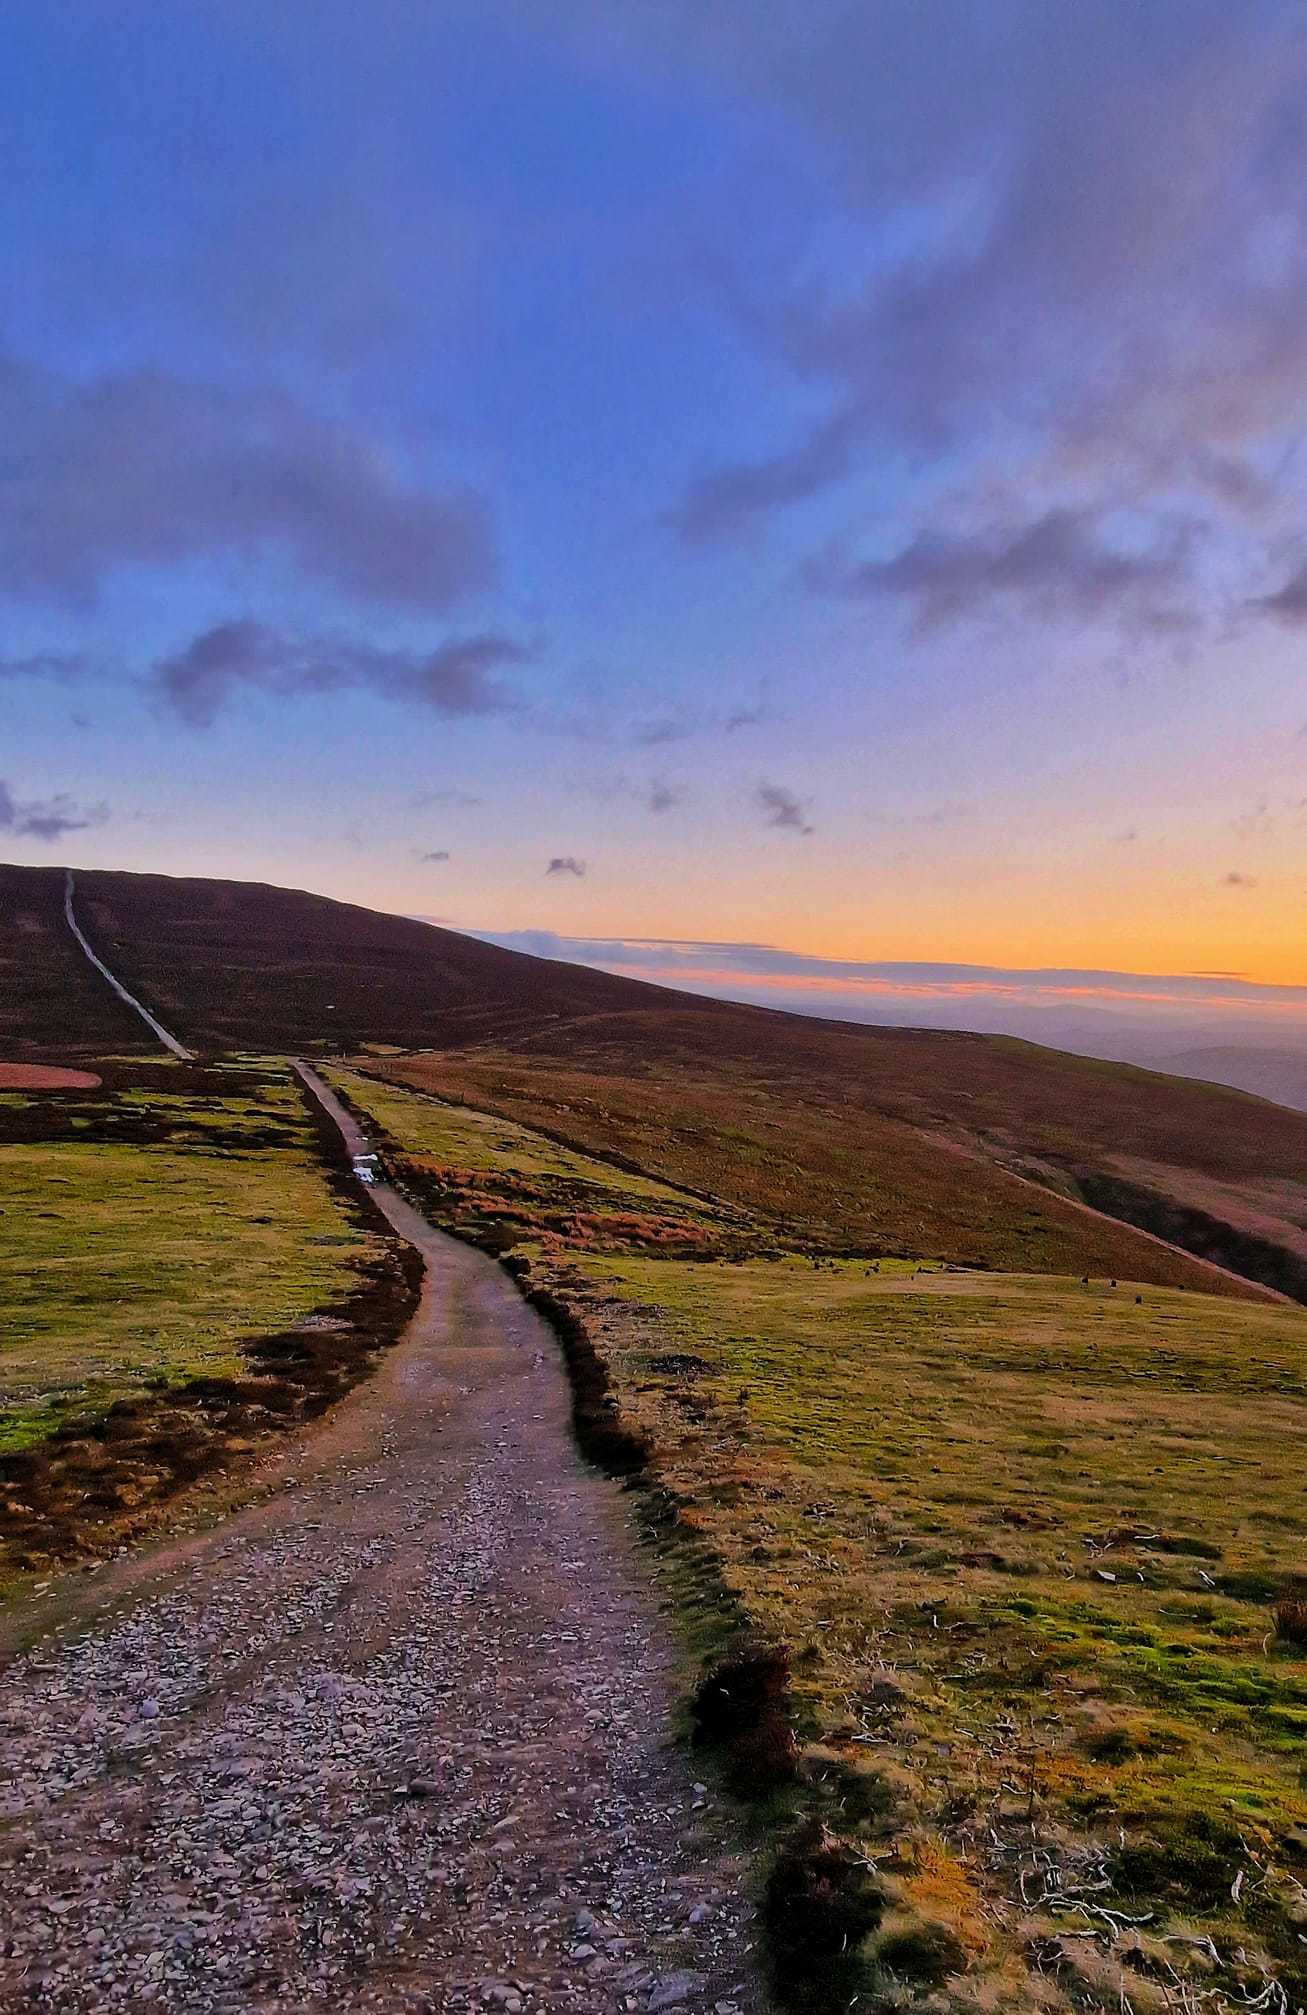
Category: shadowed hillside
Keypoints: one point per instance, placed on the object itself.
(241, 965)
(1280, 1074)
(977, 1150)
(51, 1002)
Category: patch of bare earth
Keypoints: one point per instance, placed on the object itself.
(45, 1077)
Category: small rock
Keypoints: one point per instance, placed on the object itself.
(674, 1990)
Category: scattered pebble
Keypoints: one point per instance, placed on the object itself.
(394, 1740)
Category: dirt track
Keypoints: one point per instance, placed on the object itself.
(394, 1737)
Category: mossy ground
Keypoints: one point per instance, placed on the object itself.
(149, 1227)
(1022, 1535)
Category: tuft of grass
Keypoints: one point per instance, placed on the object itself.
(820, 1902)
(1291, 1620)
(926, 1952)
(740, 1707)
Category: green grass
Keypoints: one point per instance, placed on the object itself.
(1053, 1517)
(147, 1230)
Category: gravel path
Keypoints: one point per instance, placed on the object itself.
(393, 1737)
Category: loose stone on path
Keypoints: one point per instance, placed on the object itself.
(394, 1738)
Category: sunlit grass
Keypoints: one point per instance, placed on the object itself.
(128, 1260)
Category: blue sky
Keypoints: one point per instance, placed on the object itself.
(834, 476)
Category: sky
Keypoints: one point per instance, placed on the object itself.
(775, 479)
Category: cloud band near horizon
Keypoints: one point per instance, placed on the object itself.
(724, 968)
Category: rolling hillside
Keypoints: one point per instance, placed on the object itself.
(974, 1150)
(244, 965)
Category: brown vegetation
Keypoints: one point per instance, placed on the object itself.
(806, 1128)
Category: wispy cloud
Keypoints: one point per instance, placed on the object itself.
(58, 665)
(1289, 603)
(719, 505)
(1063, 562)
(436, 854)
(1068, 272)
(657, 734)
(147, 469)
(455, 678)
(46, 818)
(1048, 1003)
(452, 799)
(566, 864)
(782, 808)
(1236, 879)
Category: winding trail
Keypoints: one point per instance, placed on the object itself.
(156, 1027)
(394, 1737)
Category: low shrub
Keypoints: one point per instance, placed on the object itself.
(926, 1953)
(1291, 1619)
(820, 1903)
(1189, 1857)
(740, 1706)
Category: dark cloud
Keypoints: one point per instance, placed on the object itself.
(1237, 880)
(1081, 251)
(719, 505)
(662, 797)
(46, 818)
(247, 655)
(436, 854)
(566, 864)
(780, 807)
(1063, 563)
(656, 734)
(1289, 603)
(64, 665)
(746, 717)
(144, 468)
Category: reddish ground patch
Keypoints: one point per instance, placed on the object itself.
(45, 1077)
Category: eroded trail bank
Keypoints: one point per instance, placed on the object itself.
(396, 1737)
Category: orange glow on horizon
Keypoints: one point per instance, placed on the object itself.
(860, 985)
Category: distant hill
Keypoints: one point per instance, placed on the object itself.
(1279, 1074)
(979, 1150)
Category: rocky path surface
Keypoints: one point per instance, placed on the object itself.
(394, 1737)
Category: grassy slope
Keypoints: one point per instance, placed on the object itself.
(146, 1228)
(1022, 1536)
(810, 1152)
(897, 1139)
